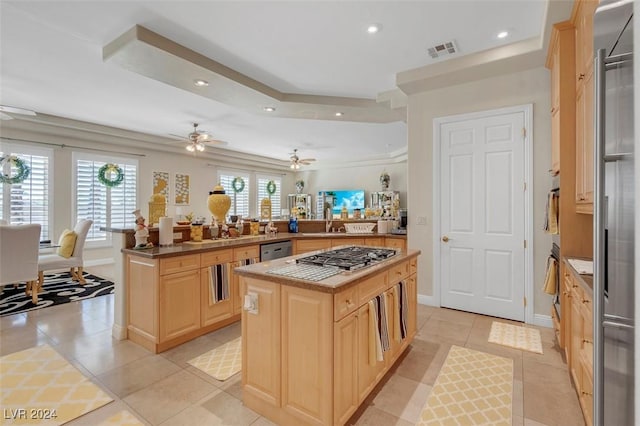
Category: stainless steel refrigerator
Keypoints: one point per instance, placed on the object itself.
(614, 270)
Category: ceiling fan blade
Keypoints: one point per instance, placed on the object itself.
(307, 159)
(214, 142)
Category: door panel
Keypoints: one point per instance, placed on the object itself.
(482, 214)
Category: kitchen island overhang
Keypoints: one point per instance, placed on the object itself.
(310, 354)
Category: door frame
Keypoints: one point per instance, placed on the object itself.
(527, 110)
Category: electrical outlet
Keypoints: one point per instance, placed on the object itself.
(422, 220)
(251, 303)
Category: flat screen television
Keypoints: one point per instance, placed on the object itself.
(351, 198)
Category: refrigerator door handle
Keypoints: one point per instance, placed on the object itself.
(613, 324)
(599, 225)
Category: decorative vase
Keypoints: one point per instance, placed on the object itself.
(384, 180)
(219, 203)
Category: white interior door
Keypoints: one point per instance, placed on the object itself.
(482, 217)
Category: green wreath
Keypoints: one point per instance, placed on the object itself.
(271, 187)
(237, 184)
(110, 168)
(23, 170)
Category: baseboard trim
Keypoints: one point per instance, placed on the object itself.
(118, 333)
(423, 299)
(99, 262)
(542, 320)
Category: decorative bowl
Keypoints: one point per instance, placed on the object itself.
(183, 222)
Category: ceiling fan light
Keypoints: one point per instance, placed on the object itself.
(190, 148)
(200, 146)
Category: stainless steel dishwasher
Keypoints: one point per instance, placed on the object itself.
(270, 251)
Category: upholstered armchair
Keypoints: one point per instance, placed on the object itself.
(19, 246)
(49, 262)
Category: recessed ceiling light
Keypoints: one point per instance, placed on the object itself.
(339, 114)
(201, 83)
(269, 109)
(503, 34)
(374, 28)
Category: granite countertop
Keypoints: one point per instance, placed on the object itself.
(333, 284)
(190, 247)
(585, 279)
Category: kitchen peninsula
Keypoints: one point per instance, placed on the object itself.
(311, 350)
(165, 292)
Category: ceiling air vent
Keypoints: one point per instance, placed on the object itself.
(443, 49)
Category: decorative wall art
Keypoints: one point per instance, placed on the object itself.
(161, 184)
(181, 189)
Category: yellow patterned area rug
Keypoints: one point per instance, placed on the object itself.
(122, 418)
(221, 362)
(516, 336)
(40, 387)
(472, 388)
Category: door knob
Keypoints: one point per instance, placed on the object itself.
(445, 239)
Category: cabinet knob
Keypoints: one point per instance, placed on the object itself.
(348, 302)
(586, 393)
(586, 300)
(587, 341)
(581, 76)
(574, 285)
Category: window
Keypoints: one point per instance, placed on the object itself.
(28, 201)
(107, 207)
(263, 181)
(240, 200)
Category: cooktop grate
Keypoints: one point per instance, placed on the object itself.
(348, 258)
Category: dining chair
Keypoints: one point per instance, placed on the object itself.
(47, 262)
(19, 246)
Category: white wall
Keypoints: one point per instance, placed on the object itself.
(531, 86)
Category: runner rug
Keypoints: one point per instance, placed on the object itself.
(472, 388)
(516, 336)
(56, 290)
(221, 362)
(40, 387)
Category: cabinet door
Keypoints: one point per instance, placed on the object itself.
(555, 142)
(307, 355)
(374, 242)
(368, 371)
(580, 146)
(588, 142)
(347, 241)
(345, 368)
(412, 315)
(179, 304)
(213, 312)
(576, 339)
(555, 75)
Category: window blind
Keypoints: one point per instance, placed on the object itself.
(275, 198)
(239, 201)
(28, 201)
(106, 206)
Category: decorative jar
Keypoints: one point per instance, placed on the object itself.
(219, 203)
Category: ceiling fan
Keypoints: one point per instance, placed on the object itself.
(296, 161)
(197, 138)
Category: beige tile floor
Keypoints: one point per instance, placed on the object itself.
(164, 390)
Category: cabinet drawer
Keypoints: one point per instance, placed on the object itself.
(398, 272)
(248, 252)
(395, 243)
(304, 246)
(216, 257)
(179, 264)
(413, 266)
(370, 288)
(586, 396)
(345, 302)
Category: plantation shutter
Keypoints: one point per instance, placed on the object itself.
(239, 201)
(276, 205)
(27, 201)
(107, 207)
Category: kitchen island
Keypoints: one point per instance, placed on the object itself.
(310, 353)
(165, 292)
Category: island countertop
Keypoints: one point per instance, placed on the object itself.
(190, 247)
(333, 284)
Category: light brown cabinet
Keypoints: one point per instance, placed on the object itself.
(169, 299)
(306, 246)
(241, 256)
(578, 319)
(323, 341)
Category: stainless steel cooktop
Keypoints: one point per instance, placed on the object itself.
(349, 258)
